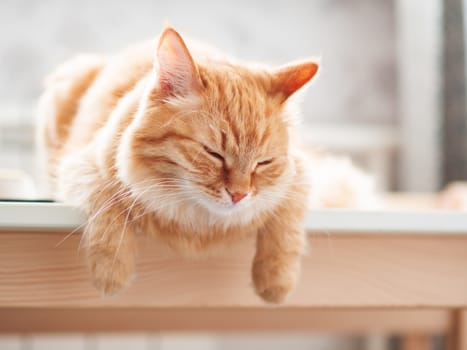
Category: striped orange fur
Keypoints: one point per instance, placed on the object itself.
(183, 144)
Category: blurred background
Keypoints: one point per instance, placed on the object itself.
(391, 94)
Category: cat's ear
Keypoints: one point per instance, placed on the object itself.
(178, 75)
(291, 78)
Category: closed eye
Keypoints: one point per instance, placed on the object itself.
(213, 154)
(265, 162)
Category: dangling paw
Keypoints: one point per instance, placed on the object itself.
(109, 273)
(274, 280)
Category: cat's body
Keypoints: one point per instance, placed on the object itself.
(193, 149)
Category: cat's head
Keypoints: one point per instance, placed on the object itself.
(211, 135)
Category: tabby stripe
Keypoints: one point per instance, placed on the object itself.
(168, 135)
(224, 140)
(164, 159)
(160, 159)
(236, 133)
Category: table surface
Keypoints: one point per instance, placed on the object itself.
(403, 266)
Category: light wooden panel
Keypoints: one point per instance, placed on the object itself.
(198, 342)
(461, 331)
(54, 342)
(417, 342)
(11, 342)
(419, 77)
(40, 320)
(339, 271)
(120, 342)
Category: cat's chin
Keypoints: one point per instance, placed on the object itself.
(224, 208)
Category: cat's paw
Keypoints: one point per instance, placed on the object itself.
(109, 274)
(273, 282)
(274, 294)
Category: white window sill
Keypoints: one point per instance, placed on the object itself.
(56, 216)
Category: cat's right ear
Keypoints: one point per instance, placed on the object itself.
(178, 75)
(287, 80)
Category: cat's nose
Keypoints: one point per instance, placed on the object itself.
(237, 196)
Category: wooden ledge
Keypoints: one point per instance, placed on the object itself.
(39, 320)
(340, 271)
(389, 271)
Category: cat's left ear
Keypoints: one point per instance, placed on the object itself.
(178, 75)
(289, 79)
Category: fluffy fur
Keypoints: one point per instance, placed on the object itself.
(182, 144)
(453, 197)
(336, 183)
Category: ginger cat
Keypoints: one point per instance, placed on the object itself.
(182, 144)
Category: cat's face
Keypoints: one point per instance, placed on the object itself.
(212, 136)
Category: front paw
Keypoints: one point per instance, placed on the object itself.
(109, 273)
(274, 280)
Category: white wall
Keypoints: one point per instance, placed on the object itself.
(354, 37)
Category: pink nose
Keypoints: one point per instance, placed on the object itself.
(237, 196)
